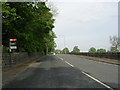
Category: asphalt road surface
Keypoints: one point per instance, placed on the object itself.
(66, 71)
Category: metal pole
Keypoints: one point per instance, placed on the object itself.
(64, 44)
(10, 60)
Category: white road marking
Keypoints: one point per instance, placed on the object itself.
(69, 64)
(60, 58)
(90, 76)
(98, 81)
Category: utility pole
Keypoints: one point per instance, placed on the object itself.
(64, 42)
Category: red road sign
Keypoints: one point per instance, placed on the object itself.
(12, 39)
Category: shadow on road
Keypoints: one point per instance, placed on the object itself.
(53, 75)
(62, 77)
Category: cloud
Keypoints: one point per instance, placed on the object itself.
(86, 24)
(83, 12)
(83, 0)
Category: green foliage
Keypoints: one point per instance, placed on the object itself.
(113, 49)
(92, 50)
(101, 50)
(58, 51)
(5, 49)
(31, 24)
(76, 49)
(65, 50)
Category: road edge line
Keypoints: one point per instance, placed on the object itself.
(98, 81)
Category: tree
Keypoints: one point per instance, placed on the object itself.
(114, 49)
(57, 51)
(92, 50)
(115, 41)
(65, 50)
(101, 50)
(76, 49)
(30, 23)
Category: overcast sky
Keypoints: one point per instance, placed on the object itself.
(85, 23)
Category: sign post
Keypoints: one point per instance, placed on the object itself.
(12, 44)
(12, 47)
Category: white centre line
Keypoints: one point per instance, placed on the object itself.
(60, 58)
(90, 76)
(69, 64)
(98, 81)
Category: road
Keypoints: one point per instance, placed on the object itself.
(66, 71)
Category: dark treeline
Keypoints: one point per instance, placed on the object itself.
(30, 23)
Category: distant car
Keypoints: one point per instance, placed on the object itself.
(53, 53)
